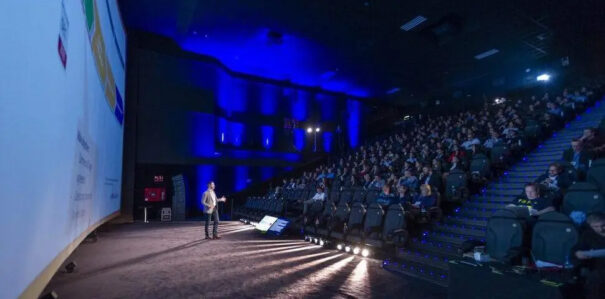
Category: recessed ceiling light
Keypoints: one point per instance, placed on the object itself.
(486, 54)
(413, 23)
(393, 90)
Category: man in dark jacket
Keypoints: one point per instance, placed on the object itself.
(577, 156)
(428, 177)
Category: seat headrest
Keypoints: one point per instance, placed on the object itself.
(456, 172)
(358, 205)
(583, 186)
(395, 207)
(374, 206)
(479, 157)
(555, 217)
(512, 213)
(598, 163)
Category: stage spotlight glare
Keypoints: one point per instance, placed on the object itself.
(365, 252)
(321, 242)
(356, 250)
(339, 246)
(316, 241)
(317, 129)
(543, 77)
(309, 130)
(347, 248)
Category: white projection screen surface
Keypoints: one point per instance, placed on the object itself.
(62, 87)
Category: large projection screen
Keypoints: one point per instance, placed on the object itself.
(62, 73)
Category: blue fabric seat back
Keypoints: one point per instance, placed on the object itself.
(583, 197)
(393, 220)
(553, 237)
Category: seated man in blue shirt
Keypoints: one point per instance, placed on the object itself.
(409, 180)
(385, 197)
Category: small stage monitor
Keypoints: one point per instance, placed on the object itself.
(278, 226)
(266, 223)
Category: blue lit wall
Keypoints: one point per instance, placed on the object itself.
(327, 141)
(353, 122)
(201, 138)
(299, 139)
(267, 136)
(187, 106)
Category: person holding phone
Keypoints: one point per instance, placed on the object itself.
(210, 202)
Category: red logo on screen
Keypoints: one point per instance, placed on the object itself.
(62, 52)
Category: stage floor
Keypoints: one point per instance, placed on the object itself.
(171, 260)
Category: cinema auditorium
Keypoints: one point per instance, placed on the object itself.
(302, 149)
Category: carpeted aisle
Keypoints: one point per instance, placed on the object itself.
(171, 260)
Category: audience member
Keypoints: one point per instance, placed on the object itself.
(577, 156)
(593, 238)
(320, 195)
(532, 200)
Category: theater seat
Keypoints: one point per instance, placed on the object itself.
(334, 196)
(504, 235)
(393, 230)
(553, 237)
(354, 223)
(583, 197)
(372, 225)
(456, 189)
(532, 129)
(346, 196)
(359, 196)
(596, 174)
(499, 154)
(480, 164)
(321, 220)
(337, 222)
(371, 196)
(312, 211)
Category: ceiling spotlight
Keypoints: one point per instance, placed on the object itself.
(309, 130)
(543, 77)
(317, 129)
(365, 252)
(356, 250)
(348, 248)
(339, 246)
(321, 242)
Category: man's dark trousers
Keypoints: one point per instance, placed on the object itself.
(215, 225)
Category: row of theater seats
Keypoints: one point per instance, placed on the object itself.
(509, 237)
(372, 225)
(550, 240)
(351, 215)
(257, 207)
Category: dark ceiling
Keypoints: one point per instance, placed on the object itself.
(357, 46)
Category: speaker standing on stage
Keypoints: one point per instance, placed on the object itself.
(211, 209)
